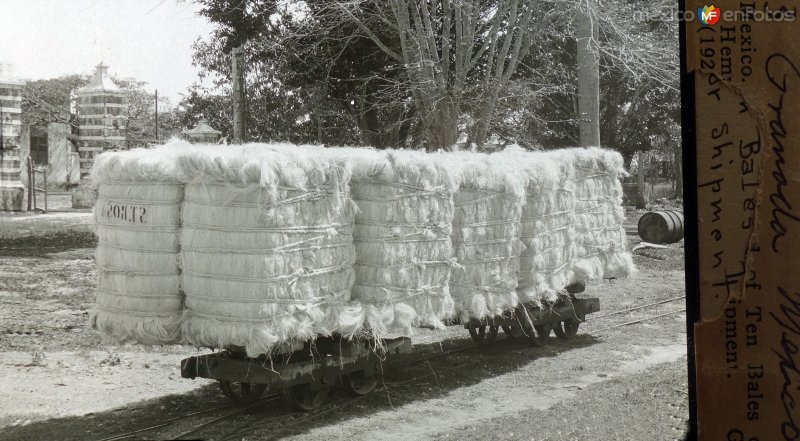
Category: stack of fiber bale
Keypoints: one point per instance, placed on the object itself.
(264, 247)
(137, 222)
(572, 221)
(267, 249)
(486, 235)
(601, 241)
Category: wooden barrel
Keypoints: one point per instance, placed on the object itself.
(661, 226)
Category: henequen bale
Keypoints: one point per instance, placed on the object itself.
(602, 250)
(137, 220)
(486, 235)
(402, 237)
(547, 224)
(267, 250)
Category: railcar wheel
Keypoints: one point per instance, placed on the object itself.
(571, 327)
(559, 330)
(479, 334)
(242, 393)
(357, 384)
(540, 334)
(301, 397)
(513, 331)
(568, 329)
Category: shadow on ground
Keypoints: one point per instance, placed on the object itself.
(42, 245)
(436, 378)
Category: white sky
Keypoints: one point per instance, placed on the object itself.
(149, 40)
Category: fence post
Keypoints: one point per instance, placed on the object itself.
(33, 183)
(45, 191)
(29, 170)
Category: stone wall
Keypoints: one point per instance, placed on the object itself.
(84, 195)
(59, 150)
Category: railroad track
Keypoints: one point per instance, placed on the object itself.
(171, 421)
(592, 319)
(230, 411)
(275, 397)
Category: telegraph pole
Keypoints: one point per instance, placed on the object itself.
(239, 113)
(156, 114)
(588, 77)
(2, 143)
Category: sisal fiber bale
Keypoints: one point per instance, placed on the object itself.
(402, 237)
(548, 230)
(602, 250)
(267, 249)
(137, 221)
(486, 235)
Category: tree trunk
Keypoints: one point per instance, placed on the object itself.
(588, 79)
(641, 199)
(372, 128)
(676, 155)
(442, 126)
(405, 131)
(627, 159)
(318, 121)
(368, 121)
(482, 126)
(239, 114)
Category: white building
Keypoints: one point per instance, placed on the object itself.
(102, 118)
(12, 192)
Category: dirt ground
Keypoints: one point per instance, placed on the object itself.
(59, 377)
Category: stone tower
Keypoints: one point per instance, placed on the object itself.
(12, 192)
(102, 118)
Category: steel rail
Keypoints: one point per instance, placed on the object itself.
(642, 320)
(595, 317)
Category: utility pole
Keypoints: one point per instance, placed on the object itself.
(156, 114)
(2, 142)
(588, 77)
(239, 113)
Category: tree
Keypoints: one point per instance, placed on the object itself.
(641, 98)
(141, 125)
(341, 72)
(350, 80)
(51, 100)
(447, 48)
(239, 22)
(411, 63)
(302, 86)
(216, 108)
